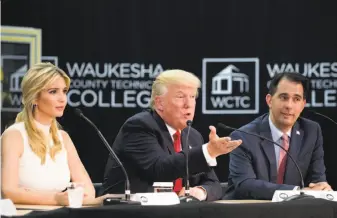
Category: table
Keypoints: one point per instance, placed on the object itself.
(247, 208)
(25, 209)
(241, 201)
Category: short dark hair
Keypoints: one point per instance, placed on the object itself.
(291, 76)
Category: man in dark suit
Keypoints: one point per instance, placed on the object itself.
(258, 167)
(149, 144)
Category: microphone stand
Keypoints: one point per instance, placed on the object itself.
(324, 116)
(187, 197)
(302, 195)
(111, 200)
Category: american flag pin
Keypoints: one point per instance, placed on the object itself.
(298, 132)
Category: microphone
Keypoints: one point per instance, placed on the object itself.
(187, 197)
(302, 195)
(109, 201)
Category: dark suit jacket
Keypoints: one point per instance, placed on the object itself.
(145, 147)
(253, 168)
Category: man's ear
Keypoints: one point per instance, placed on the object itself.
(268, 100)
(159, 103)
(304, 103)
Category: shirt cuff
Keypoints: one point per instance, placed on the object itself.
(297, 188)
(204, 197)
(210, 161)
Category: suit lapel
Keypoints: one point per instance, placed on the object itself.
(294, 148)
(167, 139)
(268, 149)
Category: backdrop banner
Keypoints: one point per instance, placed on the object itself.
(113, 50)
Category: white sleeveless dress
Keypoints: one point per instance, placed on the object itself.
(53, 175)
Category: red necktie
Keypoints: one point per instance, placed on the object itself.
(178, 184)
(282, 159)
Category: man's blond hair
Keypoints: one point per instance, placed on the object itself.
(172, 77)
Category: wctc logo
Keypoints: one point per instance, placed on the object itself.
(229, 75)
(230, 86)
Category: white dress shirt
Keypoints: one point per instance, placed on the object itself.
(277, 137)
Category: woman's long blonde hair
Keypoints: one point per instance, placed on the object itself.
(35, 80)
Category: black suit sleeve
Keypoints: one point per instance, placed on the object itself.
(210, 182)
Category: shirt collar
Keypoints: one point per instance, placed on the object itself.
(275, 132)
(171, 130)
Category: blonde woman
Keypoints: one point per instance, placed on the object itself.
(38, 160)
